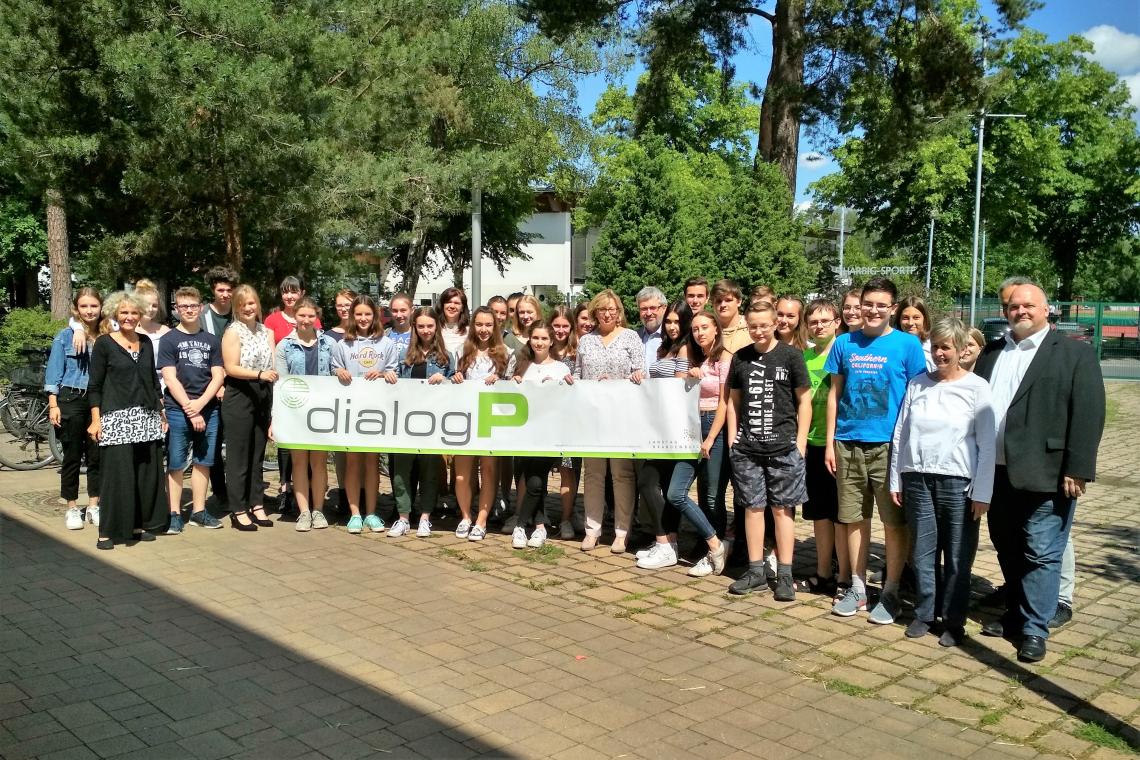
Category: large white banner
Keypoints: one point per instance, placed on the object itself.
(654, 420)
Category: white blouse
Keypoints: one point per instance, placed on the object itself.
(946, 428)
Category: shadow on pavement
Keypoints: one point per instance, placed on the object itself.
(97, 662)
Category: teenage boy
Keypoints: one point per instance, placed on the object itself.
(822, 505)
(726, 299)
(696, 293)
(400, 331)
(217, 316)
(215, 319)
(869, 369)
(190, 360)
(769, 411)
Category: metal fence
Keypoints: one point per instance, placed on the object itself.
(1113, 329)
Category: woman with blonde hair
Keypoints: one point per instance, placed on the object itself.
(128, 422)
(247, 356)
(611, 352)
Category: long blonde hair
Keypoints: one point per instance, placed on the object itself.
(111, 309)
(145, 287)
(242, 293)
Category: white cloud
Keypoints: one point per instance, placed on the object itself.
(1114, 49)
(813, 160)
(1133, 82)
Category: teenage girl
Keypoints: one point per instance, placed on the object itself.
(913, 317)
(456, 318)
(484, 360)
(427, 360)
(343, 303)
(709, 363)
(364, 353)
(565, 350)
(851, 312)
(69, 407)
(790, 323)
(655, 475)
(536, 365)
(307, 351)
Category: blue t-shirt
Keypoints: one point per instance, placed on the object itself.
(401, 339)
(876, 372)
(192, 357)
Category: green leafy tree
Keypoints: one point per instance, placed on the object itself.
(900, 55)
(1058, 184)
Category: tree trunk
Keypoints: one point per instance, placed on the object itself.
(458, 267)
(59, 262)
(779, 141)
(233, 235)
(417, 253)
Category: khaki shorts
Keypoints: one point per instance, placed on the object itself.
(862, 475)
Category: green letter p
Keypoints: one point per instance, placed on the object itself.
(489, 419)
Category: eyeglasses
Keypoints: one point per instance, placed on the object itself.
(819, 322)
(880, 308)
(189, 306)
(609, 310)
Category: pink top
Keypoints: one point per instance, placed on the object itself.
(713, 377)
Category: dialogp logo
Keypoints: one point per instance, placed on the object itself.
(294, 392)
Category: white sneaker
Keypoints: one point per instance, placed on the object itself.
(424, 529)
(566, 531)
(510, 525)
(93, 516)
(399, 528)
(537, 538)
(660, 555)
(74, 519)
(477, 533)
(702, 568)
(770, 565)
(518, 538)
(643, 553)
(463, 529)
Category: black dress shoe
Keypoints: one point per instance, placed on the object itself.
(1032, 649)
(993, 628)
(1063, 615)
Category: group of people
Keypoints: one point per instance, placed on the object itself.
(833, 408)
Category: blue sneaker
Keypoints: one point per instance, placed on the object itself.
(175, 525)
(204, 519)
(851, 603)
(355, 524)
(886, 610)
(374, 523)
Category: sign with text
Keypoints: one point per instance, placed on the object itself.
(654, 420)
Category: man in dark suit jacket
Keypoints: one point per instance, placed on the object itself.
(1048, 397)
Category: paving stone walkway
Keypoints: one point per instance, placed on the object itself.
(217, 644)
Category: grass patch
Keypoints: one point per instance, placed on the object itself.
(850, 689)
(1111, 410)
(547, 554)
(670, 601)
(536, 585)
(992, 717)
(976, 705)
(1103, 737)
(452, 553)
(590, 583)
(637, 597)
(1134, 646)
(768, 614)
(630, 612)
(476, 566)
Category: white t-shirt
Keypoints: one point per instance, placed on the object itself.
(540, 373)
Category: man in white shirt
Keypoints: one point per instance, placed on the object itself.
(651, 309)
(1048, 402)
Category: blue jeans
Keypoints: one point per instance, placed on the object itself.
(1029, 530)
(707, 473)
(938, 515)
(182, 440)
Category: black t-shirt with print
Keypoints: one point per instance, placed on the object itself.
(192, 356)
(768, 383)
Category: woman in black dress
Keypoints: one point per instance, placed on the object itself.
(128, 421)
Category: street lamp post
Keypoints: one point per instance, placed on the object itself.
(929, 254)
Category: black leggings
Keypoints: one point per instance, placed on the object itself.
(653, 478)
(75, 416)
(535, 471)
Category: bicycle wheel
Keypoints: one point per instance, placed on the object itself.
(54, 445)
(24, 443)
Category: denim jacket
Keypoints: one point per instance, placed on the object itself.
(291, 355)
(65, 368)
(404, 370)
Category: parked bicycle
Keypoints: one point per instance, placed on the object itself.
(27, 437)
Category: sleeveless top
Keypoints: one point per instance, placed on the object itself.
(255, 351)
(668, 366)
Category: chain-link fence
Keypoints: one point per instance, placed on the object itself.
(1113, 329)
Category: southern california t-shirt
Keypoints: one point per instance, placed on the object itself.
(876, 371)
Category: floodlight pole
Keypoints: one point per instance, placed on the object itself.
(929, 254)
(476, 246)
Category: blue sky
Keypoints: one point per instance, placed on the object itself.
(1112, 25)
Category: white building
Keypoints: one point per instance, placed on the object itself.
(557, 261)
